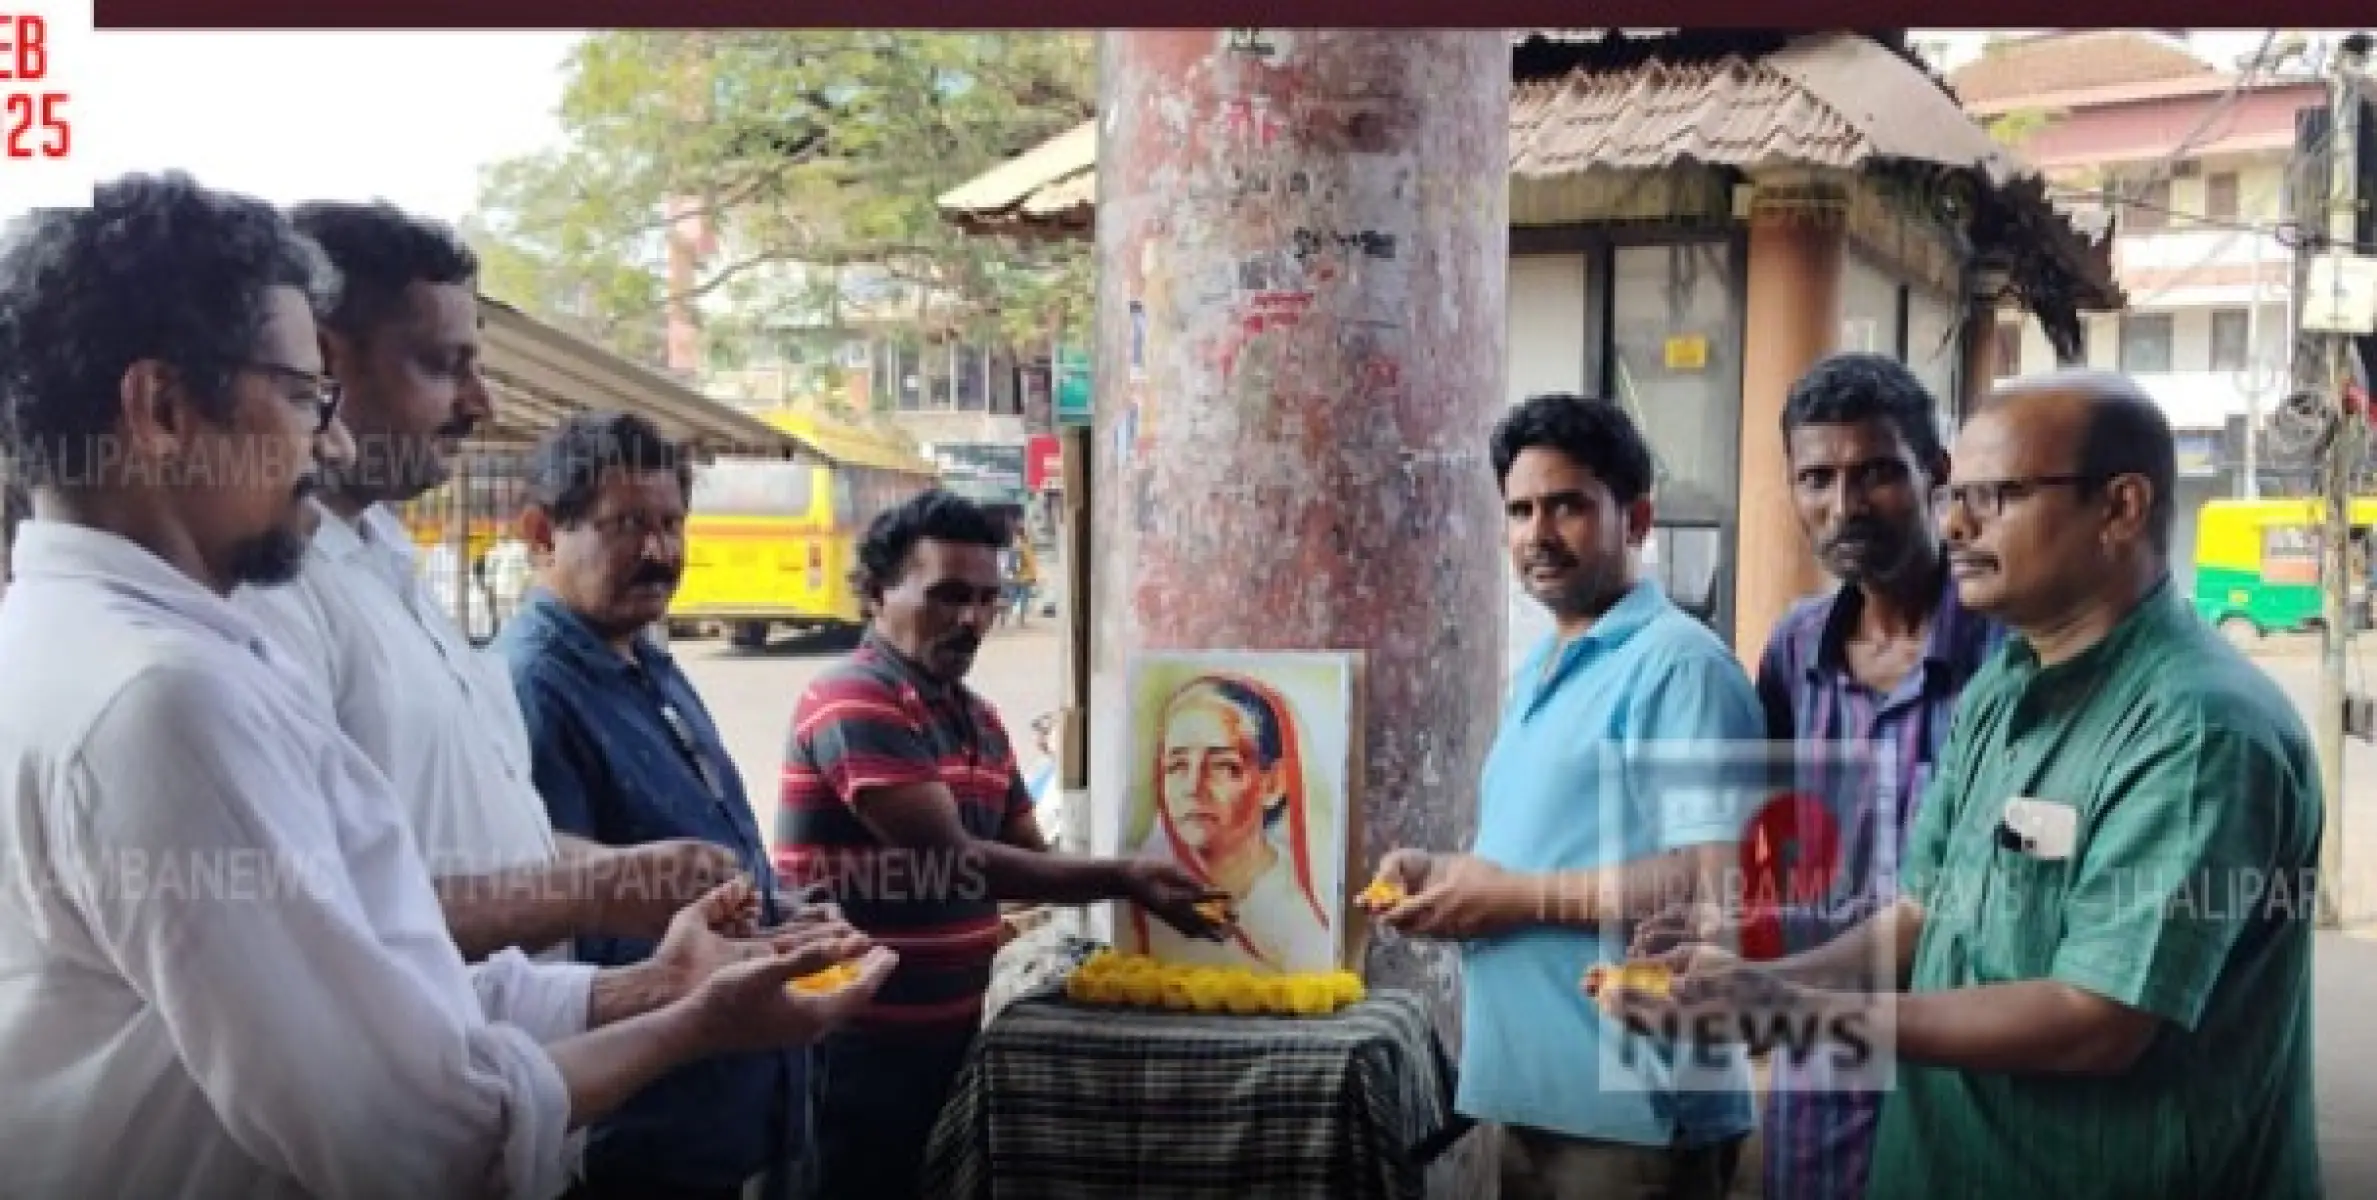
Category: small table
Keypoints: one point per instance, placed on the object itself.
(1064, 1101)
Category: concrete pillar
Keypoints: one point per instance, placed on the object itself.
(1792, 319)
(1302, 249)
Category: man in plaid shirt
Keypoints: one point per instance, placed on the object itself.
(1864, 681)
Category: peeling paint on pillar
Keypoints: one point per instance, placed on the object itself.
(1302, 246)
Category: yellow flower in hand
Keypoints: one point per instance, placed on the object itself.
(832, 978)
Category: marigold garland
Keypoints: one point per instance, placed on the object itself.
(1138, 981)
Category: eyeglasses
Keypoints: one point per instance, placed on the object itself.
(1986, 498)
(320, 391)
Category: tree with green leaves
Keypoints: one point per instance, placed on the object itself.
(809, 162)
(2016, 126)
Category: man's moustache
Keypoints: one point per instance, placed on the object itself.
(1868, 533)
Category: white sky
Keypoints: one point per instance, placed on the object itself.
(288, 117)
(2221, 47)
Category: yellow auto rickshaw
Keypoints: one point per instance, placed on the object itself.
(2257, 561)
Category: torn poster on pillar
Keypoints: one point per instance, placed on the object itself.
(1138, 342)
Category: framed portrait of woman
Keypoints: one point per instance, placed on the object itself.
(1240, 769)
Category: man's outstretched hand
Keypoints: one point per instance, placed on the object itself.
(1690, 923)
(1456, 896)
(1174, 896)
(750, 1005)
(638, 890)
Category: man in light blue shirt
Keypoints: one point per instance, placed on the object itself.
(1624, 772)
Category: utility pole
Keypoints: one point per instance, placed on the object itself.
(2340, 468)
(2257, 384)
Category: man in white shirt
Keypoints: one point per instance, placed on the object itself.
(437, 716)
(223, 972)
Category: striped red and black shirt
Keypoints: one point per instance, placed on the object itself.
(873, 721)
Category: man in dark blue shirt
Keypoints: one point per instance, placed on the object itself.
(625, 753)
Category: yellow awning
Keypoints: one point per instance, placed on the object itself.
(851, 444)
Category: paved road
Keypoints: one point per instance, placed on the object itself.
(751, 695)
(2347, 967)
(2347, 1044)
(2294, 663)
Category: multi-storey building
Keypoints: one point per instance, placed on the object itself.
(2190, 162)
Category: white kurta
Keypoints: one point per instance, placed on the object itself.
(222, 970)
(435, 714)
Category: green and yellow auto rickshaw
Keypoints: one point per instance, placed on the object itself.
(2257, 562)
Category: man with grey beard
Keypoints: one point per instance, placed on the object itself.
(295, 1023)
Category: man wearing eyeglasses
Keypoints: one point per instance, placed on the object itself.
(401, 345)
(625, 754)
(2104, 935)
(227, 974)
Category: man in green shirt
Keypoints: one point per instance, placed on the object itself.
(2106, 939)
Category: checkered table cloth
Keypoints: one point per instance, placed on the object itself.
(1062, 1101)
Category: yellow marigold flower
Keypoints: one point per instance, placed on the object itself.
(1143, 988)
(1243, 995)
(830, 979)
(1311, 996)
(1279, 995)
(1346, 987)
(1175, 992)
(1206, 991)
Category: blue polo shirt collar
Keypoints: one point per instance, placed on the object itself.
(1642, 604)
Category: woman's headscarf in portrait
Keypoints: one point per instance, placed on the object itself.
(1271, 726)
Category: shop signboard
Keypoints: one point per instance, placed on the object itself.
(1073, 375)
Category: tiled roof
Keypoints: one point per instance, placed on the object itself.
(1827, 100)
(2072, 59)
(1832, 99)
(1725, 113)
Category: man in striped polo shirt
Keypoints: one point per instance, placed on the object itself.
(901, 795)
